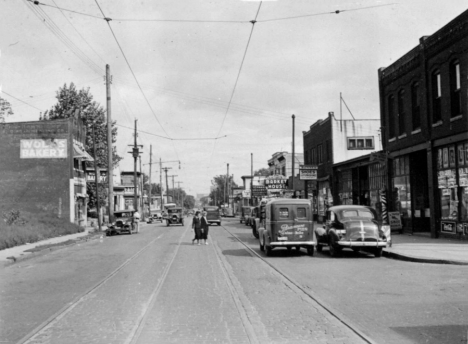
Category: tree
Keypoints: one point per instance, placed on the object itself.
(205, 201)
(262, 172)
(80, 104)
(5, 110)
(219, 186)
(189, 202)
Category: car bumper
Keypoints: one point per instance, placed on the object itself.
(362, 243)
(293, 243)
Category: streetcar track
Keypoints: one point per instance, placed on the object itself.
(136, 331)
(52, 320)
(334, 313)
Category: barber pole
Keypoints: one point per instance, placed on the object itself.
(383, 199)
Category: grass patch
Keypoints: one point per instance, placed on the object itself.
(30, 228)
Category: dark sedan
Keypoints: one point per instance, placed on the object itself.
(352, 226)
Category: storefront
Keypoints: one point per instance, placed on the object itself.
(452, 181)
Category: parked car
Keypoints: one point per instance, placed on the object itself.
(245, 213)
(174, 216)
(255, 220)
(288, 223)
(212, 215)
(155, 216)
(123, 223)
(251, 218)
(352, 226)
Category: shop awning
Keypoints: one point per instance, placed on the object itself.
(79, 153)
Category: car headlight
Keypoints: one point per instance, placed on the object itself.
(341, 231)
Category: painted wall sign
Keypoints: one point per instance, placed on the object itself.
(394, 219)
(43, 149)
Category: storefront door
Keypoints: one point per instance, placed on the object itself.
(419, 192)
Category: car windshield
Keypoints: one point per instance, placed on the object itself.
(172, 211)
(123, 215)
(357, 213)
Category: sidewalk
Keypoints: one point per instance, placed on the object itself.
(17, 253)
(421, 248)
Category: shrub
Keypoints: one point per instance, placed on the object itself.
(19, 228)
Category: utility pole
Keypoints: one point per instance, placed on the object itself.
(251, 179)
(110, 173)
(96, 181)
(142, 202)
(227, 186)
(167, 185)
(293, 117)
(149, 196)
(160, 184)
(135, 153)
(173, 196)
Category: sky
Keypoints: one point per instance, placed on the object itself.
(207, 87)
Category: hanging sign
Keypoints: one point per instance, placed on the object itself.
(275, 182)
(308, 172)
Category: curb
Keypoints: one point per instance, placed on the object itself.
(55, 247)
(413, 259)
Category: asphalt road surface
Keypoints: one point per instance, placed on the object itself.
(156, 287)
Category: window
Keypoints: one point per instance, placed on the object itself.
(319, 148)
(391, 116)
(355, 143)
(284, 213)
(436, 97)
(455, 94)
(401, 112)
(301, 213)
(314, 156)
(328, 150)
(415, 106)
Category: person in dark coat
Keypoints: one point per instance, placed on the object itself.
(196, 226)
(205, 226)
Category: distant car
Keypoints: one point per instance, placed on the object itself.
(155, 216)
(212, 215)
(174, 216)
(250, 216)
(228, 212)
(352, 226)
(245, 213)
(123, 223)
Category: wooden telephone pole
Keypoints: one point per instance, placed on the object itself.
(110, 172)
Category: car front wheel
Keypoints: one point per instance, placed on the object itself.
(310, 251)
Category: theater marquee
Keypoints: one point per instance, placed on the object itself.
(43, 149)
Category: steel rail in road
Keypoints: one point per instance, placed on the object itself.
(337, 315)
(52, 320)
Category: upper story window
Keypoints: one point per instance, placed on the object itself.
(320, 155)
(314, 156)
(391, 116)
(355, 143)
(401, 112)
(415, 106)
(328, 150)
(436, 97)
(455, 93)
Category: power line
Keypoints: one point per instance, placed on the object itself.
(21, 100)
(182, 21)
(56, 31)
(238, 75)
(35, 2)
(172, 139)
(131, 70)
(324, 13)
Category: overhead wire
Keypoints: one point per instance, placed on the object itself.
(324, 13)
(22, 101)
(35, 2)
(237, 78)
(57, 32)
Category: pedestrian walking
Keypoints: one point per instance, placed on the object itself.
(136, 221)
(196, 226)
(205, 226)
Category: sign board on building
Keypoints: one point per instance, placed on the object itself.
(394, 218)
(259, 191)
(43, 149)
(308, 172)
(277, 182)
(246, 193)
(448, 227)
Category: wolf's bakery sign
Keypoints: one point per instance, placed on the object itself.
(43, 149)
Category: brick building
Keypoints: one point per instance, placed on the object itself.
(43, 168)
(331, 141)
(423, 105)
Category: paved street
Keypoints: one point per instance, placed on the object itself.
(156, 287)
